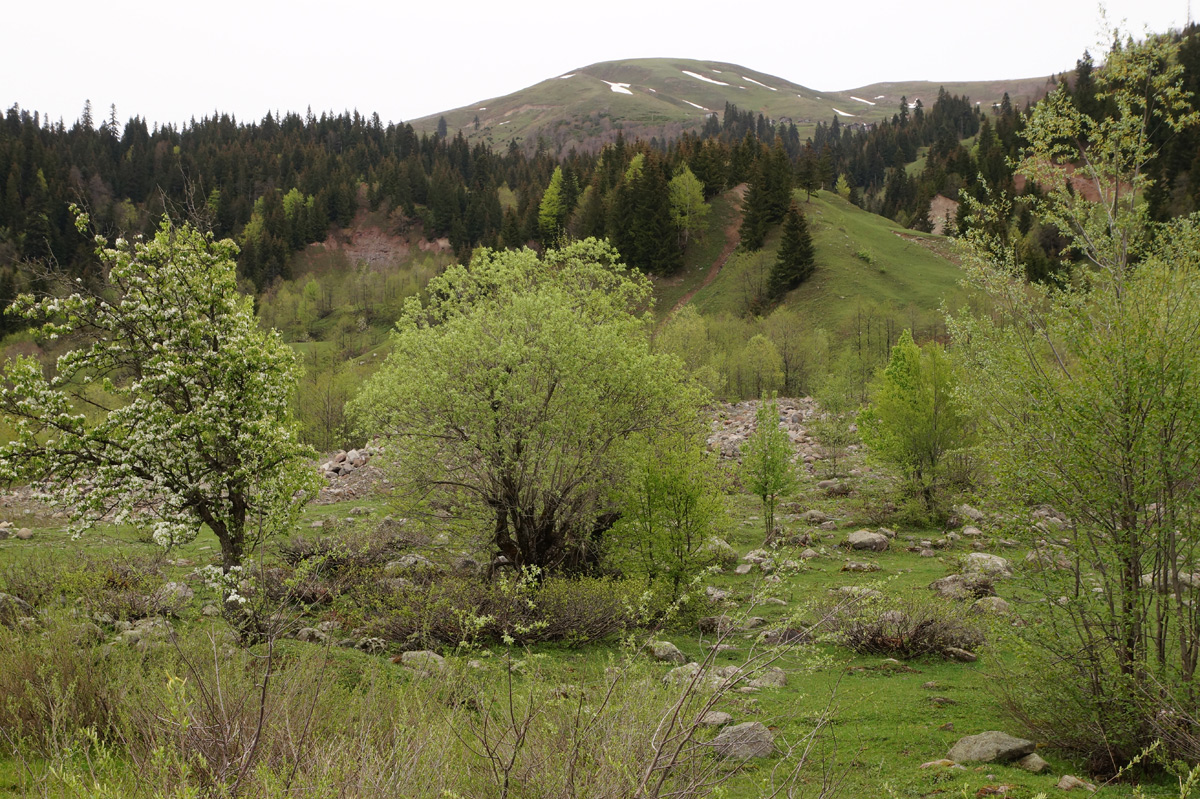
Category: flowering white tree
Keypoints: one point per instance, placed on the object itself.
(171, 404)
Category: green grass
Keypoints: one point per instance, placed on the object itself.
(699, 256)
(908, 270)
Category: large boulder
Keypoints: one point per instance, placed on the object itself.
(667, 651)
(744, 741)
(992, 566)
(962, 586)
(865, 539)
(719, 551)
(990, 746)
(423, 661)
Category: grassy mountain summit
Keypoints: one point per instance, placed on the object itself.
(664, 96)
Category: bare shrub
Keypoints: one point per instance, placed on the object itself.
(906, 628)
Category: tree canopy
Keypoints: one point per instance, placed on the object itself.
(512, 393)
(174, 403)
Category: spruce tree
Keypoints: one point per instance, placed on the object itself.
(795, 262)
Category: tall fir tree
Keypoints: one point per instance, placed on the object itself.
(796, 259)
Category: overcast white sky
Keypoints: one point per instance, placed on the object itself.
(170, 61)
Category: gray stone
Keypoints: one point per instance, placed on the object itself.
(423, 660)
(719, 551)
(954, 586)
(715, 718)
(667, 651)
(408, 563)
(774, 677)
(991, 604)
(715, 594)
(972, 532)
(312, 635)
(13, 608)
(717, 624)
(809, 554)
(865, 539)
(757, 556)
(178, 592)
(682, 674)
(990, 565)
(886, 532)
(1069, 783)
(1033, 763)
(814, 516)
(371, 645)
(744, 741)
(961, 655)
(967, 512)
(24, 534)
(856, 566)
(991, 746)
(743, 568)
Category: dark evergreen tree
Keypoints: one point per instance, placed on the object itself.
(795, 261)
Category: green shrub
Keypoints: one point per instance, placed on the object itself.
(906, 628)
(516, 608)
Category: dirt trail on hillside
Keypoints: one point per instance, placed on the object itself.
(731, 242)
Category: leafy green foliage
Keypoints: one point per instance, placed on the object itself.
(767, 470)
(513, 391)
(671, 504)
(1090, 394)
(192, 397)
(915, 420)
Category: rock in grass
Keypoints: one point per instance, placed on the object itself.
(715, 718)
(1033, 763)
(1069, 783)
(423, 660)
(668, 652)
(24, 534)
(773, 677)
(718, 550)
(865, 539)
(989, 565)
(858, 566)
(943, 763)
(743, 568)
(13, 608)
(961, 655)
(744, 741)
(991, 605)
(991, 746)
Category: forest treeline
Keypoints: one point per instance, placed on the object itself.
(278, 184)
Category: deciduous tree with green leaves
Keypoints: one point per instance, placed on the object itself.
(767, 470)
(916, 420)
(1089, 394)
(512, 393)
(173, 403)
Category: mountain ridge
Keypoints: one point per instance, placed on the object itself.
(644, 97)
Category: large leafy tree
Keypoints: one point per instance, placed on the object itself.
(916, 421)
(512, 393)
(1089, 392)
(172, 402)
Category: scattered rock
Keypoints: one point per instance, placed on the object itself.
(865, 539)
(210, 610)
(423, 660)
(12, 609)
(856, 592)
(719, 551)
(856, 566)
(967, 512)
(757, 556)
(943, 763)
(814, 516)
(715, 594)
(972, 532)
(717, 624)
(941, 700)
(991, 746)
(992, 566)
(177, 592)
(24, 534)
(667, 651)
(715, 718)
(682, 674)
(773, 677)
(371, 645)
(947, 727)
(991, 605)
(743, 568)
(1069, 783)
(928, 553)
(744, 741)
(962, 586)
(809, 554)
(1033, 763)
(312, 635)
(961, 655)
(408, 563)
